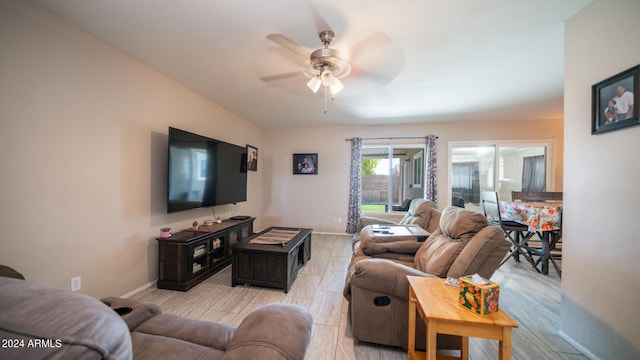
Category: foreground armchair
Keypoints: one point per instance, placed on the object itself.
(44, 322)
(377, 289)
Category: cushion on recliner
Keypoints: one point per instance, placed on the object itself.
(59, 324)
(460, 224)
(139, 312)
(482, 254)
(257, 337)
(416, 209)
(7, 271)
(372, 244)
(436, 254)
(204, 333)
(424, 213)
(441, 249)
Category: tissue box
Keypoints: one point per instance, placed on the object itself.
(481, 299)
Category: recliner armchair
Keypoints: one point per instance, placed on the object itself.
(377, 289)
(70, 325)
(421, 213)
(415, 215)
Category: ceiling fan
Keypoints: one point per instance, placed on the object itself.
(324, 67)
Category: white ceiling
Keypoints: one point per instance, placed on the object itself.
(413, 60)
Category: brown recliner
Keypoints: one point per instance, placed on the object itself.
(377, 289)
(415, 215)
(421, 213)
(61, 324)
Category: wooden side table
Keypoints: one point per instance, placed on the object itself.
(437, 305)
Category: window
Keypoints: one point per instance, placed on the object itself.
(417, 170)
(500, 166)
(390, 175)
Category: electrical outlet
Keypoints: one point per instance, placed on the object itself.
(76, 283)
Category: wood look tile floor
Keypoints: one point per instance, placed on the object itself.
(532, 299)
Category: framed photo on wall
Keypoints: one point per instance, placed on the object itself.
(615, 102)
(252, 158)
(305, 164)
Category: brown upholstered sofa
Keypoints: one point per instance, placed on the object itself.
(417, 214)
(377, 289)
(41, 321)
(421, 213)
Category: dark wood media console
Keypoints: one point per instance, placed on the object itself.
(191, 256)
(270, 265)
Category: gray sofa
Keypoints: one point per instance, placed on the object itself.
(41, 321)
(377, 288)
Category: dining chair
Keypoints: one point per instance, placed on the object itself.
(516, 232)
(541, 196)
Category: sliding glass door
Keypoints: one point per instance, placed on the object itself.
(390, 176)
(499, 166)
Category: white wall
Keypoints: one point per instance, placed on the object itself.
(600, 287)
(315, 200)
(83, 143)
(83, 146)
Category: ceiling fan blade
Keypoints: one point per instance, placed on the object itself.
(321, 23)
(285, 54)
(369, 45)
(281, 76)
(289, 44)
(380, 78)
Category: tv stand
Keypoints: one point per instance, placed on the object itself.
(190, 256)
(239, 217)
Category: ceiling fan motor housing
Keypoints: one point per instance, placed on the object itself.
(326, 59)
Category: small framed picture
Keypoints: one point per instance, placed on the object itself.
(305, 164)
(252, 158)
(614, 102)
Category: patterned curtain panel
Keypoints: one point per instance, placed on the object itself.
(355, 186)
(431, 169)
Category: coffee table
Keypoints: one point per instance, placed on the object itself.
(437, 305)
(270, 265)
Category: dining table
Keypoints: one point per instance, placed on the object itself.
(543, 218)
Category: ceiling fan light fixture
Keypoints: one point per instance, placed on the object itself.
(336, 87)
(325, 67)
(314, 84)
(327, 78)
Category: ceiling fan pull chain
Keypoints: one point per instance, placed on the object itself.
(326, 88)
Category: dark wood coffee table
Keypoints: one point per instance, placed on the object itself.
(270, 265)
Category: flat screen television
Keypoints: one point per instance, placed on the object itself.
(204, 172)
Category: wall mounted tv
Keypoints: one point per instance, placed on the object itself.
(204, 172)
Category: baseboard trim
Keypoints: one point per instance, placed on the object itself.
(330, 233)
(140, 289)
(577, 345)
